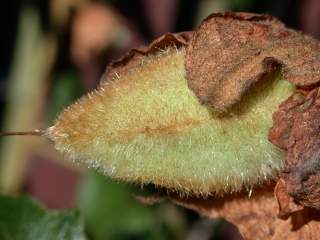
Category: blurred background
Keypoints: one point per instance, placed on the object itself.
(52, 52)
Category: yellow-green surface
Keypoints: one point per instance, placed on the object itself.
(148, 127)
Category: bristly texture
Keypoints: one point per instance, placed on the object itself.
(147, 126)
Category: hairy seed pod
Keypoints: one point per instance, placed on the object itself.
(147, 126)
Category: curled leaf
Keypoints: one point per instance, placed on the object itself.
(296, 129)
(231, 52)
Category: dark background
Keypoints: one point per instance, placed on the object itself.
(81, 32)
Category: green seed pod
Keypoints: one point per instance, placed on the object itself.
(147, 126)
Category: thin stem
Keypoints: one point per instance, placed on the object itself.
(35, 132)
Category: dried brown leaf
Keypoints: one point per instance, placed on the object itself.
(256, 216)
(230, 52)
(297, 129)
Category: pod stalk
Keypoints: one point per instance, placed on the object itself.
(36, 132)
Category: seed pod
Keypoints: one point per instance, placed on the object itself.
(144, 125)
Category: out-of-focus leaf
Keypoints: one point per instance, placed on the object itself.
(238, 5)
(23, 219)
(111, 212)
(66, 89)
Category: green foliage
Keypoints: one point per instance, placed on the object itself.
(111, 212)
(239, 5)
(22, 219)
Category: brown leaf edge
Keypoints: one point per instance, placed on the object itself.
(135, 57)
(230, 52)
(254, 215)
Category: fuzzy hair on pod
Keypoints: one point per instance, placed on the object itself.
(147, 126)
